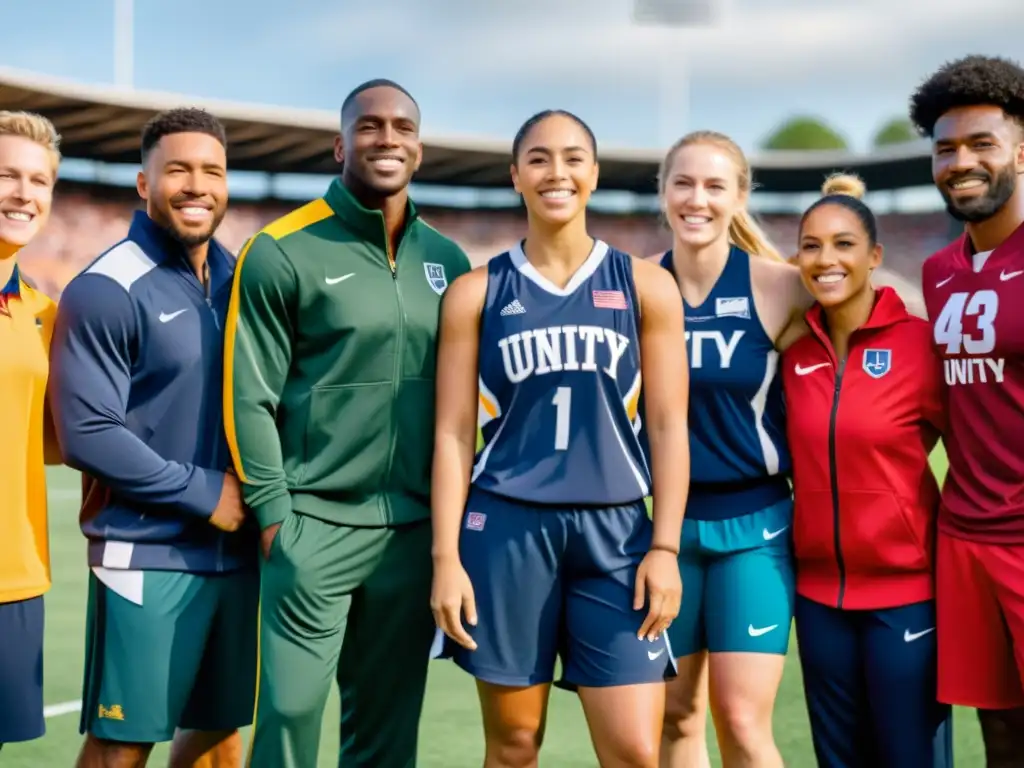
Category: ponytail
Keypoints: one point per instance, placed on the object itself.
(745, 233)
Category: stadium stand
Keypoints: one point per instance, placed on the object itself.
(87, 219)
(103, 124)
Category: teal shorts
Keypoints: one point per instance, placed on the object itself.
(738, 584)
(180, 650)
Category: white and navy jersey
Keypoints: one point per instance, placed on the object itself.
(560, 384)
(737, 413)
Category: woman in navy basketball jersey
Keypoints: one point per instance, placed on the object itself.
(543, 545)
(867, 408)
(743, 304)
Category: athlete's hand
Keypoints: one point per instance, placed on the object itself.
(658, 579)
(451, 596)
(229, 514)
(267, 536)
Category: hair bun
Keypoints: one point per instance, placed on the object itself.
(844, 184)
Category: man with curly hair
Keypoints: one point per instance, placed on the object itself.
(136, 369)
(973, 110)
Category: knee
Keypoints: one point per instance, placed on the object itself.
(742, 726)
(100, 753)
(1003, 733)
(685, 717)
(637, 751)
(515, 745)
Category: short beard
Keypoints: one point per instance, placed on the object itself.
(1001, 189)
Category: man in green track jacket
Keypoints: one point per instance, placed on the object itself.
(329, 412)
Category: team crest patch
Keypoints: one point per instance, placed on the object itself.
(475, 521)
(436, 277)
(877, 362)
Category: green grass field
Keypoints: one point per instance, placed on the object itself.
(450, 730)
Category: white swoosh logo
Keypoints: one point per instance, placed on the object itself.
(801, 371)
(1004, 276)
(652, 655)
(166, 318)
(943, 282)
(769, 535)
(909, 637)
(762, 631)
(336, 280)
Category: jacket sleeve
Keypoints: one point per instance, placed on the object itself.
(88, 388)
(257, 357)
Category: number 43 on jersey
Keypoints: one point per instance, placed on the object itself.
(974, 367)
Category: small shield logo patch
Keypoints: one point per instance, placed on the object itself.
(877, 362)
(436, 277)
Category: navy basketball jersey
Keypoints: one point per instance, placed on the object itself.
(737, 412)
(560, 384)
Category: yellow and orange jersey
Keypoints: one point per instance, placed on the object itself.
(26, 325)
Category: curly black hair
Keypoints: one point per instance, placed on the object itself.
(967, 82)
(181, 120)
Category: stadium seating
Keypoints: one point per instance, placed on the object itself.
(87, 219)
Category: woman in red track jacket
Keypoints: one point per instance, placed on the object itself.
(864, 410)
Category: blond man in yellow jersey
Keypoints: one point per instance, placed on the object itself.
(29, 157)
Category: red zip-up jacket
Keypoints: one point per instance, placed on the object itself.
(860, 434)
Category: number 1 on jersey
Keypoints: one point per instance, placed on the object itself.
(563, 403)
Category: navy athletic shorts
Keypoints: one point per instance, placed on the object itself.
(553, 583)
(21, 670)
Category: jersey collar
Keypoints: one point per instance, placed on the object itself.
(13, 287)
(367, 223)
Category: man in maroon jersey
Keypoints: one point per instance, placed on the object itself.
(973, 110)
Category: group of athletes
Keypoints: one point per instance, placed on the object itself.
(345, 453)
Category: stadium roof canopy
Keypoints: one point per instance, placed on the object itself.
(104, 123)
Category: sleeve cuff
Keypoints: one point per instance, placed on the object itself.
(273, 511)
(202, 492)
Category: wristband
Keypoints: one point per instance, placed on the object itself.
(663, 548)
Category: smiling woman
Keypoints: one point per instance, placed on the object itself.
(546, 347)
(870, 410)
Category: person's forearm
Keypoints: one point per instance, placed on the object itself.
(453, 464)
(670, 458)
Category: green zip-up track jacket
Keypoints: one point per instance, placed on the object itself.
(330, 356)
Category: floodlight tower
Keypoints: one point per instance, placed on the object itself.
(124, 43)
(673, 75)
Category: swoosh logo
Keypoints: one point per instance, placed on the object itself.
(909, 637)
(652, 655)
(943, 282)
(336, 280)
(769, 535)
(1004, 276)
(166, 318)
(757, 632)
(801, 371)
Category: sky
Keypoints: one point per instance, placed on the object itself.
(480, 67)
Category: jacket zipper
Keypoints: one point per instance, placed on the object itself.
(834, 478)
(399, 347)
(216, 321)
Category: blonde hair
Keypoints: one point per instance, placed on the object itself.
(743, 229)
(34, 127)
(849, 184)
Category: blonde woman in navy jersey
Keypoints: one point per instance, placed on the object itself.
(543, 547)
(743, 306)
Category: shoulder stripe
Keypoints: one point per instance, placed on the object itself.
(299, 219)
(125, 263)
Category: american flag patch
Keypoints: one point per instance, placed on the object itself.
(475, 521)
(609, 299)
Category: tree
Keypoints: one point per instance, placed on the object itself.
(898, 130)
(804, 133)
